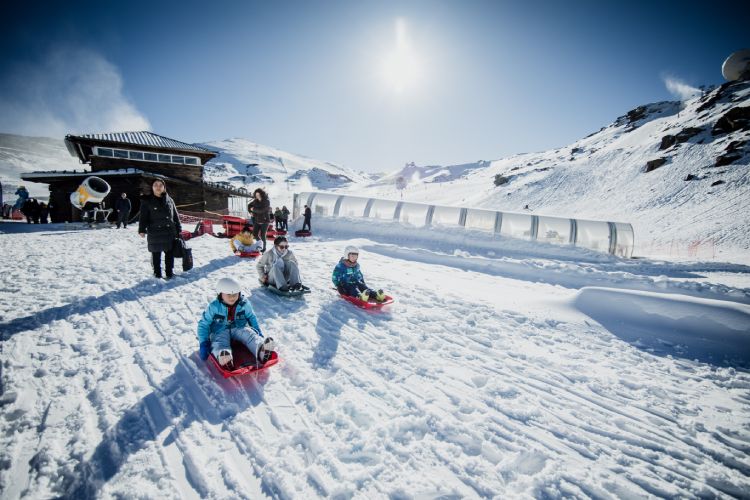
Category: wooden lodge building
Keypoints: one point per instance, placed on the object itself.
(129, 162)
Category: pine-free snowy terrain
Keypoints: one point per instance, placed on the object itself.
(510, 373)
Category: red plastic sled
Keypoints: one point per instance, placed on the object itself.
(371, 304)
(302, 233)
(249, 255)
(244, 362)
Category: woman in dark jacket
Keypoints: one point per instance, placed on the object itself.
(159, 219)
(260, 209)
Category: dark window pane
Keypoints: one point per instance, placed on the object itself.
(104, 152)
(165, 158)
(150, 156)
(191, 161)
(178, 159)
(119, 153)
(135, 155)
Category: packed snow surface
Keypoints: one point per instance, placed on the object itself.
(494, 374)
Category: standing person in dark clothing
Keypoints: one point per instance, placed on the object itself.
(159, 219)
(285, 218)
(27, 210)
(308, 215)
(260, 208)
(123, 210)
(36, 210)
(43, 213)
(278, 217)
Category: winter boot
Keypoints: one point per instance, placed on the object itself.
(380, 296)
(265, 350)
(364, 296)
(225, 358)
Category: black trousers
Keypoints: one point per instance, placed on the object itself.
(259, 232)
(306, 224)
(122, 218)
(168, 263)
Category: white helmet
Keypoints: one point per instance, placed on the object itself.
(350, 249)
(227, 285)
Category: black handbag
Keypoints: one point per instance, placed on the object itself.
(187, 259)
(178, 247)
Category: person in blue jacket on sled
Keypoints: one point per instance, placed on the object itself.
(348, 279)
(231, 317)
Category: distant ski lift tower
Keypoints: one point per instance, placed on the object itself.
(737, 66)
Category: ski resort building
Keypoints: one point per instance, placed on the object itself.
(129, 162)
(616, 238)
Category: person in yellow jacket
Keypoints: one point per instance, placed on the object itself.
(244, 242)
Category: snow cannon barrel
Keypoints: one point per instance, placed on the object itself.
(92, 190)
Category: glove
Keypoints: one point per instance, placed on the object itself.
(205, 349)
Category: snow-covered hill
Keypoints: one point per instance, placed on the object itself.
(493, 375)
(243, 163)
(19, 154)
(678, 171)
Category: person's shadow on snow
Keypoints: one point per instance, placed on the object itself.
(86, 305)
(195, 392)
(332, 318)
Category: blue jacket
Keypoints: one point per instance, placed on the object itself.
(214, 318)
(344, 274)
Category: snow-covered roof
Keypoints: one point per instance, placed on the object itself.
(143, 138)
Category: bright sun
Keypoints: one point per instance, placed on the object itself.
(401, 65)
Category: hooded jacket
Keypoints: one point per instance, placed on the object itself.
(347, 273)
(266, 262)
(216, 318)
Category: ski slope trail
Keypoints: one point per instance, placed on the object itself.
(488, 377)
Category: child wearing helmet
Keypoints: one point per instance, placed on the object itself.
(348, 279)
(231, 317)
(244, 242)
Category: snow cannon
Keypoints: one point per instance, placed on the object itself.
(92, 190)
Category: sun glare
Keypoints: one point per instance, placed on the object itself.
(401, 65)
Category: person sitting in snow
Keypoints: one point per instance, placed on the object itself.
(278, 267)
(348, 278)
(244, 241)
(231, 317)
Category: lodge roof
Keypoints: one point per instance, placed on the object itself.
(143, 138)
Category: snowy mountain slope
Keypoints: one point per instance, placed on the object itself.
(19, 154)
(500, 381)
(243, 163)
(688, 200)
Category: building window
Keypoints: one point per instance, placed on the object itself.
(104, 152)
(191, 161)
(165, 158)
(150, 157)
(143, 156)
(178, 159)
(120, 153)
(136, 155)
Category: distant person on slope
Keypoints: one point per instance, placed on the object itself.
(160, 220)
(244, 242)
(279, 268)
(278, 218)
(231, 317)
(348, 278)
(308, 216)
(260, 209)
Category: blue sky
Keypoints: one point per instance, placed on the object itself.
(370, 85)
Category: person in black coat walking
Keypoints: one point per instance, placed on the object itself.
(160, 221)
(123, 210)
(260, 209)
(308, 216)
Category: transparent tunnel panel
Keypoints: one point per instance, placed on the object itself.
(593, 235)
(553, 230)
(414, 214)
(625, 240)
(323, 203)
(516, 226)
(353, 206)
(483, 220)
(383, 209)
(446, 216)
